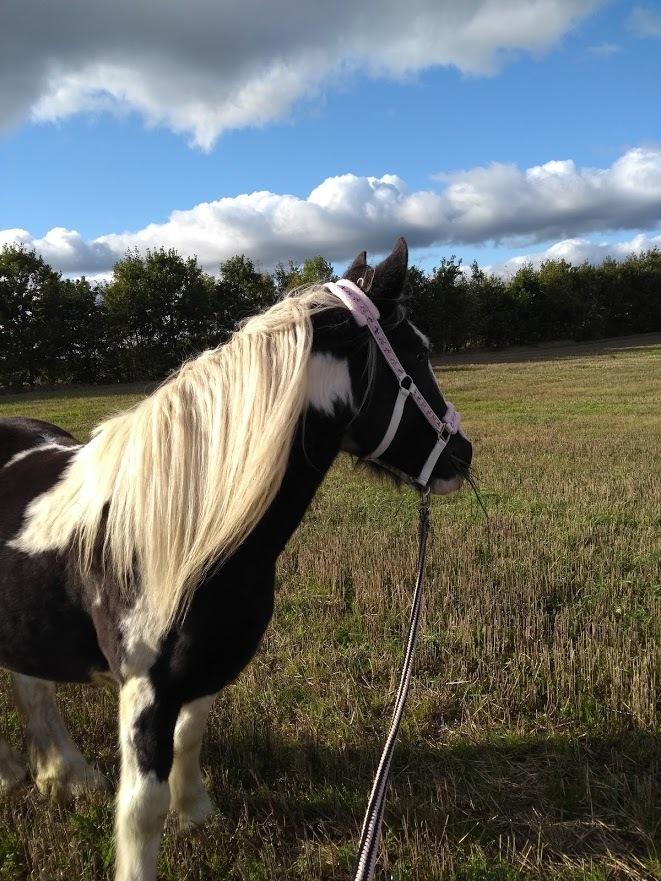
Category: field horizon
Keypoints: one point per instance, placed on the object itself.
(529, 747)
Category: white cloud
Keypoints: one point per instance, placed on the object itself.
(496, 203)
(579, 251)
(645, 21)
(605, 50)
(66, 250)
(206, 66)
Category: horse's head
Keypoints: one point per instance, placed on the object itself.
(399, 419)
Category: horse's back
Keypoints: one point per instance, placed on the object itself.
(19, 434)
(33, 456)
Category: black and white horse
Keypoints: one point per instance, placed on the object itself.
(147, 555)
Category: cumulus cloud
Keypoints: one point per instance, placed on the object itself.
(66, 250)
(579, 251)
(496, 203)
(205, 66)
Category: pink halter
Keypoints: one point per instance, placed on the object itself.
(365, 313)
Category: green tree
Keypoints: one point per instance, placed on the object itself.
(417, 294)
(495, 321)
(530, 311)
(314, 270)
(558, 300)
(26, 282)
(441, 304)
(588, 305)
(74, 334)
(239, 292)
(159, 311)
(631, 293)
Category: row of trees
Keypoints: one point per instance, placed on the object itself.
(557, 301)
(159, 308)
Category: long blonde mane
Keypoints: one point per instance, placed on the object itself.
(183, 477)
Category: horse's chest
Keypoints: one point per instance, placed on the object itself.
(221, 633)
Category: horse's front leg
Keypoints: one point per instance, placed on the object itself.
(189, 797)
(147, 722)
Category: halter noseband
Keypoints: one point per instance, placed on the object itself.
(367, 315)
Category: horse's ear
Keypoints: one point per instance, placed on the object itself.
(390, 274)
(357, 268)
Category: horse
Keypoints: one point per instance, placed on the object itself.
(146, 556)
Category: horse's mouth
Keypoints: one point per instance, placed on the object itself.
(442, 487)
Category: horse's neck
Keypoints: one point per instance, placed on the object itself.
(316, 444)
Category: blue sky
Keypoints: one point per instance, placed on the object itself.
(104, 166)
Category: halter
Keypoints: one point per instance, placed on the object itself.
(367, 315)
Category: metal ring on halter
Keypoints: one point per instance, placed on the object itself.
(365, 283)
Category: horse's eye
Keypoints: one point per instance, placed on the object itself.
(423, 355)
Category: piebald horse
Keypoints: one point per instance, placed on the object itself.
(147, 555)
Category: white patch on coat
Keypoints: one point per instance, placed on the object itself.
(139, 641)
(189, 798)
(142, 800)
(329, 383)
(17, 457)
(60, 770)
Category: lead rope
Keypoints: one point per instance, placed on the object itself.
(371, 832)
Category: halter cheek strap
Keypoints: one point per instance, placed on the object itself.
(367, 315)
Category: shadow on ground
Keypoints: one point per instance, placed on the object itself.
(587, 798)
(535, 802)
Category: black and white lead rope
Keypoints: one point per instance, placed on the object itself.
(371, 832)
(366, 314)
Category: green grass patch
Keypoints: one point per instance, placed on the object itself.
(529, 748)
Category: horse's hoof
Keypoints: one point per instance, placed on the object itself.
(195, 810)
(71, 782)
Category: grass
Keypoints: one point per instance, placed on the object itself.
(529, 747)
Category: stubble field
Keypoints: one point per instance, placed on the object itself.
(529, 748)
